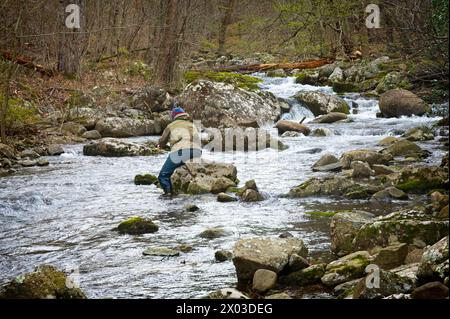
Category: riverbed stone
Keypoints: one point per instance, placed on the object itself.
(30, 154)
(161, 252)
(325, 160)
(364, 155)
(226, 198)
(213, 233)
(200, 177)
(343, 229)
(126, 127)
(297, 262)
(111, 147)
(399, 102)
(390, 284)
(223, 255)
(73, 128)
(322, 132)
(361, 170)
(137, 226)
(92, 135)
(434, 262)
(391, 256)
(421, 179)
(418, 134)
(45, 282)
(265, 253)
(346, 268)
(55, 150)
(291, 126)
(387, 141)
(264, 280)
(431, 290)
(321, 103)
(331, 117)
(404, 148)
(389, 194)
(145, 179)
(409, 226)
(42, 162)
(307, 276)
(382, 169)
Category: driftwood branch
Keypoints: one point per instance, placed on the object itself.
(26, 62)
(272, 66)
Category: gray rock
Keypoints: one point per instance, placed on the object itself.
(161, 251)
(321, 103)
(389, 194)
(54, 150)
(346, 268)
(126, 127)
(110, 147)
(264, 280)
(225, 198)
(213, 233)
(361, 169)
(92, 135)
(399, 102)
(322, 132)
(223, 255)
(30, 154)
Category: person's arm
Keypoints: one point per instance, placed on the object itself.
(164, 139)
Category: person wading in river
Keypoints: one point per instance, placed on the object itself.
(184, 140)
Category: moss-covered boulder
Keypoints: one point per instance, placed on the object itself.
(137, 226)
(421, 179)
(343, 229)
(346, 268)
(321, 103)
(46, 282)
(111, 147)
(307, 276)
(391, 256)
(201, 177)
(346, 87)
(434, 262)
(242, 81)
(365, 155)
(405, 226)
(404, 148)
(145, 179)
(390, 283)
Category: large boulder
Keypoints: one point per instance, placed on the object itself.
(421, 179)
(265, 253)
(200, 177)
(291, 126)
(343, 229)
(321, 103)
(404, 226)
(369, 156)
(137, 226)
(46, 282)
(404, 148)
(399, 102)
(110, 147)
(127, 127)
(434, 262)
(224, 105)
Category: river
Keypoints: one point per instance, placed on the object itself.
(64, 214)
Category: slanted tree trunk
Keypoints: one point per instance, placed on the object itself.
(226, 21)
(70, 42)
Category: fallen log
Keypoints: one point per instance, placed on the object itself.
(272, 66)
(26, 62)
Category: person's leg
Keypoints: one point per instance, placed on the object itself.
(171, 164)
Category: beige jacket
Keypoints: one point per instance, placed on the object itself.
(181, 134)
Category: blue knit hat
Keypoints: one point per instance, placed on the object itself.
(177, 112)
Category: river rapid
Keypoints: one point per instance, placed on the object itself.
(64, 214)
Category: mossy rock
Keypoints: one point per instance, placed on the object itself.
(245, 82)
(307, 276)
(346, 268)
(44, 283)
(213, 233)
(145, 179)
(422, 179)
(321, 214)
(344, 87)
(137, 226)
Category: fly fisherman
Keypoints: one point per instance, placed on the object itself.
(184, 140)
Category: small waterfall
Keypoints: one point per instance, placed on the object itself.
(297, 112)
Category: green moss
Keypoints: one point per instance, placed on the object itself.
(321, 214)
(137, 226)
(357, 194)
(145, 179)
(343, 87)
(245, 82)
(418, 185)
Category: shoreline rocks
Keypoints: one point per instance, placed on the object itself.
(111, 147)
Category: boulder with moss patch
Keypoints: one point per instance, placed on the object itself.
(145, 179)
(46, 282)
(308, 276)
(421, 179)
(321, 103)
(346, 268)
(137, 226)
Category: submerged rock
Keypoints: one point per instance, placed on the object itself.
(321, 103)
(137, 226)
(213, 233)
(46, 282)
(265, 253)
(225, 198)
(161, 251)
(223, 255)
(200, 177)
(145, 179)
(110, 147)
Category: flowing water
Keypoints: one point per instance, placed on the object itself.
(64, 214)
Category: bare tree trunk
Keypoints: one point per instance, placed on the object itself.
(5, 105)
(70, 42)
(226, 21)
(167, 49)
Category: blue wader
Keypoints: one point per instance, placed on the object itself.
(173, 161)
